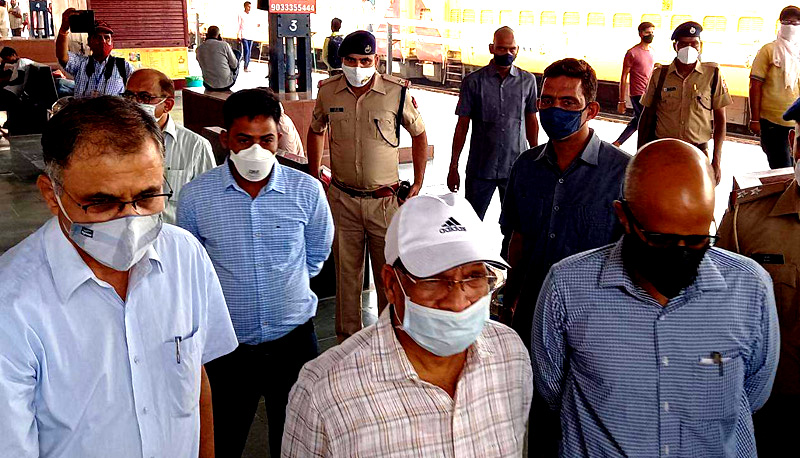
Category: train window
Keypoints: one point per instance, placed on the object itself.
(506, 17)
(455, 15)
(548, 18)
(654, 19)
(623, 20)
(469, 16)
(525, 17)
(714, 24)
(596, 20)
(572, 19)
(750, 24)
(487, 17)
(678, 19)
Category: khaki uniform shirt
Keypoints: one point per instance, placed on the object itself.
(686, 107)
(766, 227)
(361, 156)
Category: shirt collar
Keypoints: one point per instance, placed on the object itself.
(493, 70)
(170, 128)
(788, 203)
(614, 274)
(390, 361)
(589, 154)
(698, 67)
(276, 182)
(377, 85)
(68, 268)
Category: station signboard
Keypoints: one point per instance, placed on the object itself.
(292, 6)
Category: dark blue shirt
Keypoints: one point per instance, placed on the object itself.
(496, 107)
(560, 213)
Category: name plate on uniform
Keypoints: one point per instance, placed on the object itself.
(768, 258)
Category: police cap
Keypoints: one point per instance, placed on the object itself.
(358, 42)
(793, 113)
(688, 29)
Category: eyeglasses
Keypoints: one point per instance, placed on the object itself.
(790, 22)
(143, 97)
(475, 286)
(662, 240)
(147, 204)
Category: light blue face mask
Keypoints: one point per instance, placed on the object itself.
(442, 332)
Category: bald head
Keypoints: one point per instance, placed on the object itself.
(669, 186)
(152, 81)
(503, 33)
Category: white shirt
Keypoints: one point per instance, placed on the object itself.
(85, 374)
(364, 398)
(187, 156)
(290, 141)
(247, 26)
(17, 83)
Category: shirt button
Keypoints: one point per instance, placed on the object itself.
(560, 181)
(666, 450)
(265, 323)
(257, 234)
(145, 410)
(135, 360)
(556, 208)
(552, 236)
(666, 406)
(662, 317)
(665, 361)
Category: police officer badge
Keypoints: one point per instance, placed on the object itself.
(367, 49)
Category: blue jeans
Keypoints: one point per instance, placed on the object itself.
(247, 46)
(634, 124)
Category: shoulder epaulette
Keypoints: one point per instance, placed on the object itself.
(741, 196)
(396, 80)
(329, 80)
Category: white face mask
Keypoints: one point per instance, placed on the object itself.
(358, 76)
(442, 332)
(688, 55)
(790, 33)
(151, 109)
(254, 163)
(119, 243)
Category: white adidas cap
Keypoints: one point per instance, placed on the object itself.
(433, 234)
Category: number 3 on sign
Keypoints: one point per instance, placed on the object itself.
(293, 25)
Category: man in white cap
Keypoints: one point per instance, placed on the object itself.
(434, 377)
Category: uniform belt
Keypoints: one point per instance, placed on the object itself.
(384, 191)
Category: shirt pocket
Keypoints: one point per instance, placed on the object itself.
(382, 125)
(703, 99)
(490, 105)
(670, 100)
(182, 365)
(282, 238)
(342, 127)
(718, 386)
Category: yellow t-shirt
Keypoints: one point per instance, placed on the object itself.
(775, 97)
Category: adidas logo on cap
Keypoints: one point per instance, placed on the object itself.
(451, 225)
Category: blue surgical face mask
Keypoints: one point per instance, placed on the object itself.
(503, 60)
(442, 332)
(559, 123)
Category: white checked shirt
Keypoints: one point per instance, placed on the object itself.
(364, 398)
(187, 156)
(84, 373)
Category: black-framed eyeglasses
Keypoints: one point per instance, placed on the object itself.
(150, 203)
(476, 285)
(143, 97)
(668, 240)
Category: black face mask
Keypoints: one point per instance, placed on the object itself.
(668, 269)
(503, 60)
(648, 38)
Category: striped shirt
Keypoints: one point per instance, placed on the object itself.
(633, 378)
(96, 84)
(186, 157)
(364, 398)
(264, 250)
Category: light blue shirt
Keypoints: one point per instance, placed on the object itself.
(635, 379)
(265, 249)
(86, 374)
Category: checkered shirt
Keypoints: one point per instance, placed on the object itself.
(364, 398)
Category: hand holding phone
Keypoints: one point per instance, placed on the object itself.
(81, 21)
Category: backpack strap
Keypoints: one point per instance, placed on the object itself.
(662, 76)
(714, 85)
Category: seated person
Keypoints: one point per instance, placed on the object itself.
(12, 78)
(218, 62)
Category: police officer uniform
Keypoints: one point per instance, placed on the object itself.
(364, 161)
(764, 223)
(685, 106)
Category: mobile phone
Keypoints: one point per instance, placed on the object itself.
(82, 22)
(403, 190)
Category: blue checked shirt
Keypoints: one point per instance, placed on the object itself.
(633, 378)
(97, 84)
(264, 250)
